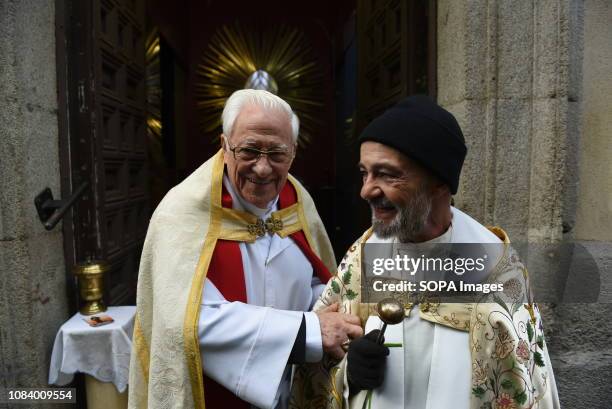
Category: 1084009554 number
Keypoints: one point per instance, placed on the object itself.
(59, 395)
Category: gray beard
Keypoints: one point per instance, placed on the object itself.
(409, 221)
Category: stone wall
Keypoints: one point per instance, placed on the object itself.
(595, 190)
(503, 70)
(584, 354)
(32, 274)
(523, 77)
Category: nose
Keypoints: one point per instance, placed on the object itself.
(262, 167)
(370, 189)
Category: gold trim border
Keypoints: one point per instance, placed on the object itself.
(192, 314)
(301, 215)
(142, 349)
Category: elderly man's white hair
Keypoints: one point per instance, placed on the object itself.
(259, 97)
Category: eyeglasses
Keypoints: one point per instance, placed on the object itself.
(249, 154)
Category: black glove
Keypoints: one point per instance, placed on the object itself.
(366, 362)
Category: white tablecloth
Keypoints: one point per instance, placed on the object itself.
(102, 352)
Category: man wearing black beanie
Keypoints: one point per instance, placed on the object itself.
(411, 159)
(449, 355)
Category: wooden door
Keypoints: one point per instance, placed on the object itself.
(396, 53)
(396, 57)
(106, 140)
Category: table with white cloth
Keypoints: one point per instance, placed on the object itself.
(102, 353)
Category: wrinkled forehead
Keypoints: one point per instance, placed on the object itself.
(262, 125)
(376, 156)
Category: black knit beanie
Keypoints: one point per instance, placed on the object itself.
(424, 131)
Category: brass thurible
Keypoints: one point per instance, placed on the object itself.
(91, 286)
(391, 312)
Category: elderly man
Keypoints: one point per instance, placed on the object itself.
(233, 256)
(484, 354)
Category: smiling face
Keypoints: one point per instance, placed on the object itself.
(259, 181)
(398, 189)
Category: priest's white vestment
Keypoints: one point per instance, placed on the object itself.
(443, 355)
(244, 347)
(185, 327)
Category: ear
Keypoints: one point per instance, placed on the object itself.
(440, 188)
(225, 147)
(295, 148)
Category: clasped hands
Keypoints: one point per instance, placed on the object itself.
(366, 358)
(337, 329)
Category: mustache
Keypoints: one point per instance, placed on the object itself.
(381, 202)
(258, 180)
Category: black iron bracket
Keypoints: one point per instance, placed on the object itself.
(51, 211)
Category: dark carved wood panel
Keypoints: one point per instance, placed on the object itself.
(396, 49)
(108, 134)
(122, 163)
(396, 53)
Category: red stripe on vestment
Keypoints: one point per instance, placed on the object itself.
(287, 197)
(226, 272)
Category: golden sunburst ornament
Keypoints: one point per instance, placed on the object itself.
(278, 59)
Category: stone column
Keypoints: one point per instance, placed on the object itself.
(503, 70)
(516, 74)
(32, 273)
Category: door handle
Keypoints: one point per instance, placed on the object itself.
(51, 211)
